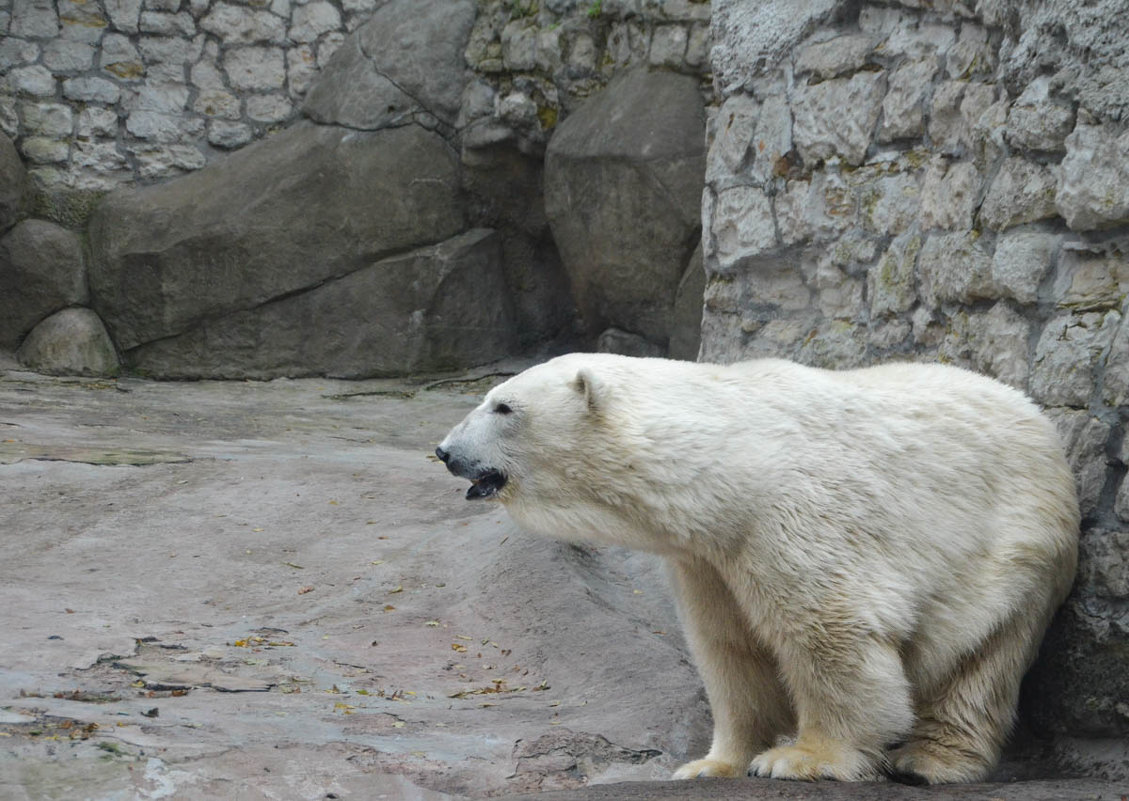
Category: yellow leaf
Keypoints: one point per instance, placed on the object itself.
(399, 588)
(455, 646)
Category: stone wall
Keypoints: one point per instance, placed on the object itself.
(100, 93)
(937, 181)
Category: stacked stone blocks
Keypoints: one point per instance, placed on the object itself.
(98, 93)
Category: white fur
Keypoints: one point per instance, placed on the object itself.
(861, 558)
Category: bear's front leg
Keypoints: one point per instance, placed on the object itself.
(852, 699)
(749, 704)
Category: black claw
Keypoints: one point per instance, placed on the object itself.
(906, 777)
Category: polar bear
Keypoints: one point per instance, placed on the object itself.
(864, 561)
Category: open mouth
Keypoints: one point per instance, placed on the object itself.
(487, 485)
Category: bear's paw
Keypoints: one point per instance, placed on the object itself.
(707, 768)
(935, 763)
(809, 762)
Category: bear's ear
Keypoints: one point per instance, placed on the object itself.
(591, 387)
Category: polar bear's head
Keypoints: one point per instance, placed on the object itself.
(526, 429)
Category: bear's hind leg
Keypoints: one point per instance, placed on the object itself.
(852, 698)
(750, 706)
(963, 721)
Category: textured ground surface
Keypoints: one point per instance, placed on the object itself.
(271, 590)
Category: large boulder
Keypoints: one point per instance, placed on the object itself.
(13, 176)
(41, 272)
(404, 64)
(279, 218)
(70, 342)
(436, 308)
(623, 187)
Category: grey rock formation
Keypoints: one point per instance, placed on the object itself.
(41, 272)
(310, 205)
(405, 64)
(70, 342)
(441, 307)
(1082, 48)
(767, 30)
(12, 177)
(1093, 183)
(623, 181)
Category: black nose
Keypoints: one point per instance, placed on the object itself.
(443, 455)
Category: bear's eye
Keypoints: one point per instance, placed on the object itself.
(502, 408)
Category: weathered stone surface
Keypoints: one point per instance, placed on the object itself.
(405, 61)
(1079, 688)
(1104, 563)
(1068, 356)
(837, 117)
(668, 46)
(12, 183)
(1093, 179)
(124, 14)
(1035, 122)
(41, 271)
(441, 307)
(891, 286)
(686, 326)
(1084, 437)
(35, 80)
(1022, 192)
(1020, 262)
(1115, 383)
(745, 226)
(1080, 45)
(62, 55)
(1089, 280)
(817, 210)
(70, 342)
(834, 57)
(949, 195)
(902, 108)
(274, 219)
(623, 187)
(957, 106)
(16, 52)
(91, 89)
(750, 138)
(504, 188)
(955, 268)
(228, 135)
(44, 150)
(48, 119)
(613, 340)
(972, 54)
(1000, 342)
(746, 37)
(34, 19)
(237, 24)
(838, 295)
(255, 68)
(890, 205)
(311, 20)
